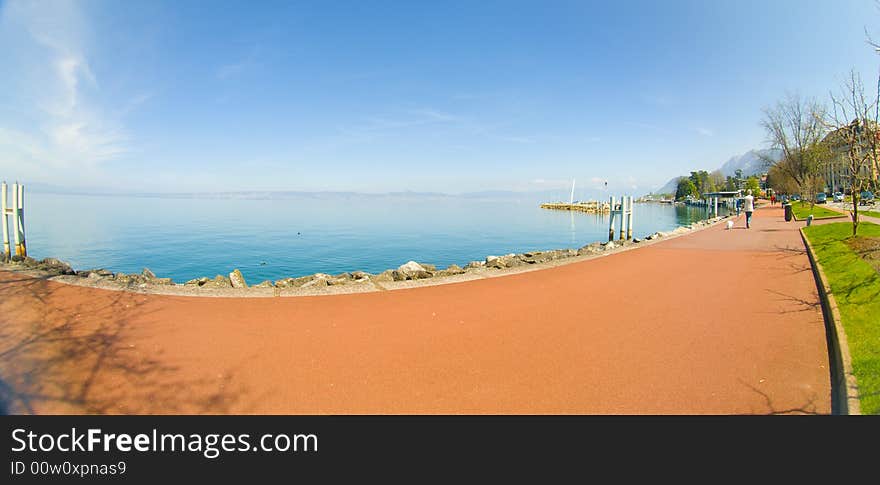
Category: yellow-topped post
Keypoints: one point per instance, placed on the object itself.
(5, 220)
(15, 231)
(23, 241)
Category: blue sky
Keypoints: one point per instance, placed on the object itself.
(423, 96)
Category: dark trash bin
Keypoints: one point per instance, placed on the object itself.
(787, 212)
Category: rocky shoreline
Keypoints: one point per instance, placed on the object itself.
(318, 283)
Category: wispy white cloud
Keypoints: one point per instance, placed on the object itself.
(65, 126)
(704, 131)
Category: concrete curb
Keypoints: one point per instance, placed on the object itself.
(844, 388)
(841, 216)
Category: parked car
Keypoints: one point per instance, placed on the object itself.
(821, 198)
(795, 197)
(838, 197)
(867, 197)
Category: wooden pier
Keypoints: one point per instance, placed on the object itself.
(620, 210)
(592, 207)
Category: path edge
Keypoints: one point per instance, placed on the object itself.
(844, 387)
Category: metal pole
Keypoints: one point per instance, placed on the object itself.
(611, 219)
(629, 222)
(21, 219)
(15, 232)
(6, 252)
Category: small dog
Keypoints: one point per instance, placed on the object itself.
(729, 225)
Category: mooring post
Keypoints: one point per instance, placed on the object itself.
(611, 219)
(21, 219)
(622, 218)
(715, 203)
(629, 220)
(15, 233)
(5, 218)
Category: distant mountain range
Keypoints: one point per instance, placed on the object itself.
(751, 163)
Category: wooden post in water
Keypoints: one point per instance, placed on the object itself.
(23, 243)
(623, 218)
(611, 219)
(5, 218)
(629, 221)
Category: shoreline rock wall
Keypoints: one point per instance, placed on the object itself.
(410, 270)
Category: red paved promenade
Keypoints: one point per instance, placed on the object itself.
(712, 322)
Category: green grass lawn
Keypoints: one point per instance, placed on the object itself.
(855, 284)
(870, 213)
(802, 210)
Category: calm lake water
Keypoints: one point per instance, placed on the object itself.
(184, 238)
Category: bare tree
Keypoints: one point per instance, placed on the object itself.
(780, 181)
(854, 139)
(795, 128)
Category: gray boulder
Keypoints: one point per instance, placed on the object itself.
(148, 274)
(56, 266)
(500, 262)
(593, 248)
(411, 271)
(219, 281)
(360, 275)
(454, 269)
(122, 278)
(302, 280)
(535, 257)
(385, 276)
(236, 279)
(97, 272)
(264, 284)
(319, 280)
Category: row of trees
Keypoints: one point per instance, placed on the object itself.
(700, 182)
(814, 139)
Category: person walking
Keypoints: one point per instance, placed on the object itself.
(749, 207)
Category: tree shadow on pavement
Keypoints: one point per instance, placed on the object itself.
(60, 354)
(799, 304)
(795, 257)
(808, 407)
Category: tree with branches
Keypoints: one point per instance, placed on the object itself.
(795, 126)
(855, 137)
